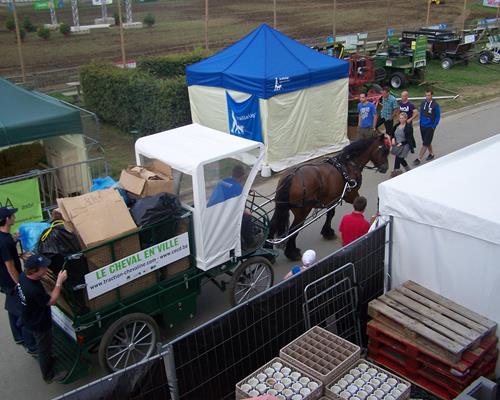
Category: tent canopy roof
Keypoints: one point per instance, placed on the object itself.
(458, 192)
(191, 146)
(28, 115)
(266, 63)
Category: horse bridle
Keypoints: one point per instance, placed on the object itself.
(380, 148)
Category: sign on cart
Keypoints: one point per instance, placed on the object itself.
(136, 265)
(63, 322)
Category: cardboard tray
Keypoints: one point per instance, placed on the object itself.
(314, 395)
(321, 354)
(329, 393)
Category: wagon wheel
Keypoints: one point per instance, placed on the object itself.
(128, 340)
(252, 277)
(446, 63)
(484, 57)
(398, 80)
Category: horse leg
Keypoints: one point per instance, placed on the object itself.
(291, 251)
(327, 231)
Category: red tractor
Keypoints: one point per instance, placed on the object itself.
(362, 78)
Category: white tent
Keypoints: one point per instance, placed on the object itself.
(196, 154)
(302, 95)
(446, 232)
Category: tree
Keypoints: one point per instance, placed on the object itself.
(149, 20)
(22, 34)
(10, 24)
(43, 32)
(27, 25)
(65, 29)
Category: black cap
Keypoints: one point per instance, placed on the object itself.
(6, 212)
(36, 261)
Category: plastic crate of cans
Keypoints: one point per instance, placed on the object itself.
(282, 380)
(367, 381)
(321, 354)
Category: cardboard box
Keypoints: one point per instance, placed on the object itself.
(147, 181)
(97, 216)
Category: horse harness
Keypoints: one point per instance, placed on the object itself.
(352, 183)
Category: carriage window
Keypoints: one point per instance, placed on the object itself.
(183, 183)
(224, 179)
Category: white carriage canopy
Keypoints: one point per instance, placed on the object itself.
(296, 98)
(447, 226)
(201, 158)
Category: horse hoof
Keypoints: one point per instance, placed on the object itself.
(328, 234)
(293, 255)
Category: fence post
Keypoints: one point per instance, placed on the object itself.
(389, 258)
(206, 24)
(169, 361)
(428, 12)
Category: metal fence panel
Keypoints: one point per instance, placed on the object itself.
(143, 381)
(225, 350)
(208, 361)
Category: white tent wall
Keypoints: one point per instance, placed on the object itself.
(296, 126)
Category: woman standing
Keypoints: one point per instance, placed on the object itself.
(402, 143)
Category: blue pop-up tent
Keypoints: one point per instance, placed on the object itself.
(267, 63)
(299, 94)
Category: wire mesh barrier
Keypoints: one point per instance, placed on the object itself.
(143, 381)
(225, 350)
(65, 181)
(331, 301)
(208, 361)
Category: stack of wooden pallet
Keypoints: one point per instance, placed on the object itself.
(435, 343)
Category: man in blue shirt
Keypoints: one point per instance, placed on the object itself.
(228, 187)
(367, 118)
(430, 114)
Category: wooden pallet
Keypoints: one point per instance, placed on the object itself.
(431, 320)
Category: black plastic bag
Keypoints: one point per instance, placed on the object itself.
(58, 240)
(155, 208)
(56, 243)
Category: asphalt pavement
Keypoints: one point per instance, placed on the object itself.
(20, 377)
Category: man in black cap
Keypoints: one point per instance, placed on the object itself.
(10, 268)
(36, 311)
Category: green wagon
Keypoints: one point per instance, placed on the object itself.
(152, 277)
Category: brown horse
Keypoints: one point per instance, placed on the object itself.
(321, 185)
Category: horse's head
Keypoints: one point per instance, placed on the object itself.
(379, 153)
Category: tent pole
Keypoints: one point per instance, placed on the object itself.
(428, 12)
(274, 10)
(334, 28)
(465, 15)
(122, 41)
(18, 38)
(206, 24)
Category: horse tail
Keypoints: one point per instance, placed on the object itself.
(281, 217)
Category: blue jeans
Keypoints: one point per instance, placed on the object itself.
(20, 333)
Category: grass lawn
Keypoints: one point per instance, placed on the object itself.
(473, 83)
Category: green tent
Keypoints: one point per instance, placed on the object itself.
(29, 115)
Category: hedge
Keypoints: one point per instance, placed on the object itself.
(134, 99)
(170, 66)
